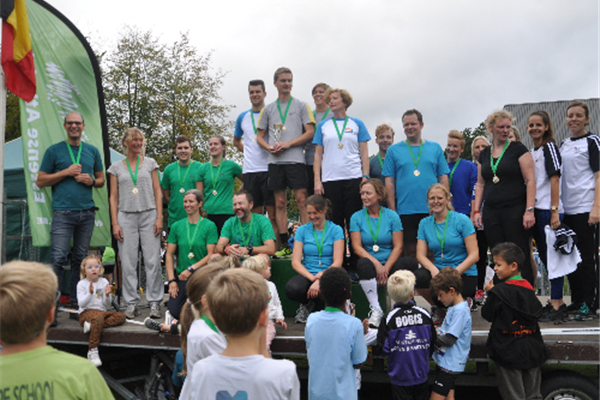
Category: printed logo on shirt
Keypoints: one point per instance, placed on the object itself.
(407, 320)
(410, 335)
(224, 395)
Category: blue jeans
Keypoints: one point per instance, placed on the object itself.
(67, 224)
(542, 218)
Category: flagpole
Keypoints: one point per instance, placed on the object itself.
(2, 140)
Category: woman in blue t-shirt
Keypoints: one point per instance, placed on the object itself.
(376, 236)
(319, 245)
(451, 238)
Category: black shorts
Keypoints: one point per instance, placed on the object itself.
(414, 392)
(283, 176)
(444, 381)
(410, 226)
(256, 183)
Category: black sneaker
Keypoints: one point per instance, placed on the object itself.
(573, 308)
(554, 315)
(546, 311)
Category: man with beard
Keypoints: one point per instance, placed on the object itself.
(246, 233)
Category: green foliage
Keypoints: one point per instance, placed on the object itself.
(13, 121)
(471, 134)
(166, 91)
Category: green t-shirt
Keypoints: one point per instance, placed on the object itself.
(220, 203)
(171, 181)
(262, 230)
(47, 373)
(206, 234)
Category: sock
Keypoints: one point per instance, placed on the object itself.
(370, 289)
(284, 239)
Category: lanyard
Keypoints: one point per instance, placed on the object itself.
(323, 117)
(380, 160)
(340, 134)
(495, 166)
(332, 309)
(452, 173)
(192, 239)
(376, 234)
(320, 245)
(210, 324)
(212, 174)
(244, 239)
(186, 172)
(415, 161)
(75, 161)
(137, 165)
(259, 117)
(442, 240)
(284, 117)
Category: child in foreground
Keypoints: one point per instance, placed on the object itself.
(262, 264)
(406, 336)
(453, 342)
(239, 299)
(335, 341)
(27, 364)
(94, 297)
(515, 342)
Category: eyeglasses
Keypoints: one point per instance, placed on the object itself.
(74, 123)
(92, 267)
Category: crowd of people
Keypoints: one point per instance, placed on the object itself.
(412, 216)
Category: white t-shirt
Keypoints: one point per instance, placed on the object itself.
(580, 158)
(341, 163)
(254, 377)
(97, 301)
(202, 342)
(256, 159)
(275, 308)
(546, 163)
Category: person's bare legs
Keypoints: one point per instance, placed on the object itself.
(301, 200)
(281, 211)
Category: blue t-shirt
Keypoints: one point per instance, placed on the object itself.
(335, 342)
(390, 223)
(69, 194)
(458, 324)
(463, 185)
(411, 190)
(455, 251)
(304, 235)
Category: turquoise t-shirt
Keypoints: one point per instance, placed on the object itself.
(305, 235)
(458, 324)
(390, 223)
(172, 180)
(262, 230)
(68, 194)
(206, 234)
(220, 203)
(455, 251)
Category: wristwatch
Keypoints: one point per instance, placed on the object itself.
(172, 280)
(529, 209)
(250, 248)
(554, 208)
(93, 182)
(190, 269)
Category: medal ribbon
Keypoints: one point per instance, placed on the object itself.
(259, 117)
(340, 134)
(442, 240)
(284, 117)
(212, 174)
(380, 160)
(495, 166)
(186, 172)
(452, 173)
(193, 238)
(323, 117)
(415, 161)
(75, 161)
(320, 245)
(332, 309)
(244, 239)
(376, 234)
(137, 165)
(210, 324)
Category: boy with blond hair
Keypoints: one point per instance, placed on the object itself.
(239, 299)
(406, 337)
(28, 366)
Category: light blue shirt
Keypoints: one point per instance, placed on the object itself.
(458, 324)
(304, 235)
(335, 342)
(411, 190)
(455, 250)
(390, 223)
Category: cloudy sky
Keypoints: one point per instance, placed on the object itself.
(456, 61)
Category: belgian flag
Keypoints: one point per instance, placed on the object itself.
(17, 56)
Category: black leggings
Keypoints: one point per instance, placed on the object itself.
(365, 269)
(296, 289)
(483, 258)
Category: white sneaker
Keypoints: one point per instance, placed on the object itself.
(155, 310)
(303, 312)
(86, 327)
(375, 316)
(94, 357)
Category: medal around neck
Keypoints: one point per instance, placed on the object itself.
(495, 179)
(417, 172)
(375, 248)
(214, 192)
(182, 190)
(191, 255)
(135, 191)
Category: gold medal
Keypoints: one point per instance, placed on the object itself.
(442, 256)
(135, 190)
(496, 179)
(182, 190)
(417, 173)
(283, 128)
(191, 255)
(254, 138)
(375, 248)
(214, 192)
(341, 145)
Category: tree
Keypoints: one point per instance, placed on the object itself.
(13, 120)
(471, 134)
(166, 91)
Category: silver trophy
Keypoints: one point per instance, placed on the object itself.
(277, 131)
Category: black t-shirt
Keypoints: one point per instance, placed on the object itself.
(510, 190)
